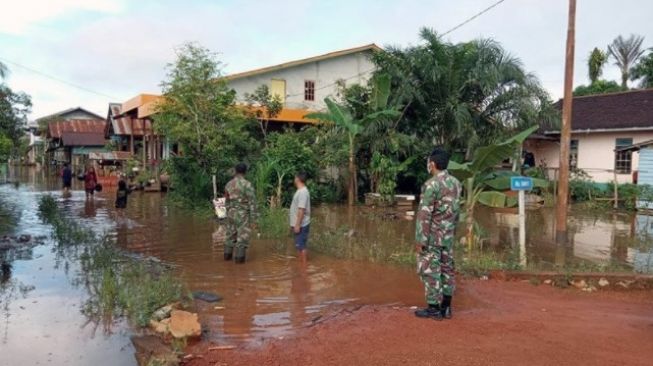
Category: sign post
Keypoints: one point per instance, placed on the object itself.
(521, 185)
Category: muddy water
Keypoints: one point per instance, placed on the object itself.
(270, 295)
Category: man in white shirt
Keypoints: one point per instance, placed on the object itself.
(300, 215)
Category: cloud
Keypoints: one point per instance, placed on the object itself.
(19, 16)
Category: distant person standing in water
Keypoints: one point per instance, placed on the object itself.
(435, 232)
(67, 178)
(241, 213)
(121, 194)
(300, 215)
(90, 181)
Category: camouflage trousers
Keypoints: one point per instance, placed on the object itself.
(435, 267)
(238, 230)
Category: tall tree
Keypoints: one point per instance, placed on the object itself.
(626, 52)
(462, 95)
(643, 71)
(595, 64)
(199, 113)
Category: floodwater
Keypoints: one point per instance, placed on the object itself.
(270, 295)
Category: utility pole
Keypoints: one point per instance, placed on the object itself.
(565, 132)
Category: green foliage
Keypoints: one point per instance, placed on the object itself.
(14, 108)
(479, 178)
(265, 106)
(643, 71)
(199, 112)
(385, 170)
(273, 223)
(463, 95)
(285, 155)
(598, 87)
(192, 184)
(595, 63)
(359, 110)
(5, 148)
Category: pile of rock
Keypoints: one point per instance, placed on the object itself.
(179, 324)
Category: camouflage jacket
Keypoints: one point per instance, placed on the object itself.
(438, 210)
(240, 196)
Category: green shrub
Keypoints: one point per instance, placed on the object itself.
(273, 223)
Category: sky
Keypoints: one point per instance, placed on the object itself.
(116, 49)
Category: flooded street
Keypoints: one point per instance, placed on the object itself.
(270, 296)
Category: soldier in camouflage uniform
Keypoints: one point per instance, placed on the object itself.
(437, 217)
(241, 212)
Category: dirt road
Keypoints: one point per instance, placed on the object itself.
(495, 323)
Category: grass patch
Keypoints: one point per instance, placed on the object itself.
(123, 286)
(273, 223)
(118, 285)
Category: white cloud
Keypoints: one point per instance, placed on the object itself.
(123, 50)
(18, 17)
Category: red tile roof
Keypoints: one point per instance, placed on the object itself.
(631, 110)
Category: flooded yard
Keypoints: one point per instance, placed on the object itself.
(41, 293)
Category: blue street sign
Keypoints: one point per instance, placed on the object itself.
(521, 183)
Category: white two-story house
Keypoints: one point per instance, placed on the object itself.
(303, 84)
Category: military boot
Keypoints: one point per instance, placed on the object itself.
(433, 312)
(240, 255)
(228, 253)
(445, 309)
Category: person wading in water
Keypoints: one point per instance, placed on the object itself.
(241, 213)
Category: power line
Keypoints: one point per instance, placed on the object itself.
(57, 79)
(473, 17)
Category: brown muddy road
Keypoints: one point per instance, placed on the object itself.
(496, 323)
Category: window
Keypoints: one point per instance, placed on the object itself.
(573, 154)
(309, 90)
(278, 88)
(623, 159)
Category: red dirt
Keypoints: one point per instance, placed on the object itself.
(495, 323)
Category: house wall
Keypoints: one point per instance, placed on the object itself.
(595, 153)
(354, 68)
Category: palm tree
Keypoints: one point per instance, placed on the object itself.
(643, 71)
(595, 64)
(626, 52)
(462, 95)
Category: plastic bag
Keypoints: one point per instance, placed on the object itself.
(219, 204)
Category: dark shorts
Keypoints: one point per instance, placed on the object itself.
(90, 191)
(67, 184)
(301, 239)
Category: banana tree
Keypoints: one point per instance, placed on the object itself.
(483, 184)
(343, 119)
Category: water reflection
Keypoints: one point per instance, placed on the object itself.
(271, 295)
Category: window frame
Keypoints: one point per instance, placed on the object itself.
(623, 160)
(309, 90)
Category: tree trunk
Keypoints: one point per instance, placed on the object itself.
(352, 177)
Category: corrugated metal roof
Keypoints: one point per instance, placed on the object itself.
(83, 139)
(57, 128)
(123, 126)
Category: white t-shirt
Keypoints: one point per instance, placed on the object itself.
(301, 199)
